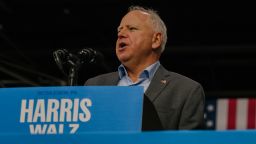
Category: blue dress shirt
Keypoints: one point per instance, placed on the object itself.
(144, 78)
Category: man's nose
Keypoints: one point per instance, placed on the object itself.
(122, 34)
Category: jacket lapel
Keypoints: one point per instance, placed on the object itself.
(113, 79)
(158, 83)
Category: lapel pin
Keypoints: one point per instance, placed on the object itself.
(163, 81)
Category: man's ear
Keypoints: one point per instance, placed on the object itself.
(157, 40)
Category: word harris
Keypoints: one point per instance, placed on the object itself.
(54, 116)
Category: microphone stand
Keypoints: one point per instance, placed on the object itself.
(74, 65)
(72, 75)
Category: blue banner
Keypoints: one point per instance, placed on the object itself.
(70, 110)
(160, 137)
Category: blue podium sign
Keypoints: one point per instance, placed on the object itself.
(156, 137)
(70, 110)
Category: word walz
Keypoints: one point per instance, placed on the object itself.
(52, 128)
(55, 110)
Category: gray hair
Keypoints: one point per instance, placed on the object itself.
(158, 23)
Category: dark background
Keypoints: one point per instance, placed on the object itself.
(211, 42)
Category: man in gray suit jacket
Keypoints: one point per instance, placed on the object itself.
(172, 101)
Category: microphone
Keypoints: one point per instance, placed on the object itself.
(87, 55)
(61, 57)
(70, 63)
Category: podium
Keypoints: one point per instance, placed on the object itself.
(91, 115)
(157, 137)
(70, 109)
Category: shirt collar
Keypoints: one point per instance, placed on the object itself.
(148, 72)
(122, 71)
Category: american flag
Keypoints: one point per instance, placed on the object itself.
(230, 113)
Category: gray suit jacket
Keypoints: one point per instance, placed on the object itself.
(178, 100)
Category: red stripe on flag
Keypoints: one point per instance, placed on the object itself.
(231, 114)
(251, 114)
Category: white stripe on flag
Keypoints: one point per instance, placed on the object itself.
(222, 113)
(242, 113)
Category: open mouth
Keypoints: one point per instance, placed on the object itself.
(122, 45)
